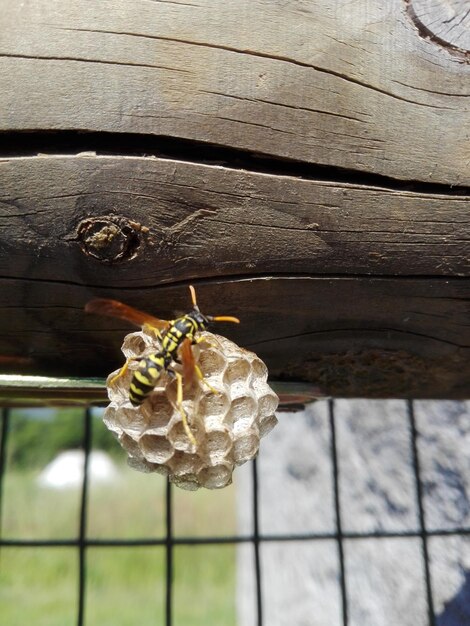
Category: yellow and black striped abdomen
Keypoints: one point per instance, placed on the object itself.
(146, 377)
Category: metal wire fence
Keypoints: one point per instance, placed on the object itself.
(83, 543)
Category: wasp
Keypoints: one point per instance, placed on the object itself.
(176, 338)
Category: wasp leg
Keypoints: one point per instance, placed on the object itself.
(179, 404)
(154, 330)
(205, 340)
(200, 375)
(123, 369)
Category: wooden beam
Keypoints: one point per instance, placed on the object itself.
(370, 337)
(72, 228)
(323, 198)
(139, 222)
(353, 85)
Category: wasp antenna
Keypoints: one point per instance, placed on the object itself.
(225, 318)
(193, 296)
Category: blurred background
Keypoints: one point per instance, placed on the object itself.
(356, 512)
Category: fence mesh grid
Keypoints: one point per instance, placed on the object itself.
(256, 538)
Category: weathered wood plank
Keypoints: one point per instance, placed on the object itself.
(372, 337)
(139, 222)
(347, 84)
(369, 295)
(446, 22)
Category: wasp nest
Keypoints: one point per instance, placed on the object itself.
(226, 425)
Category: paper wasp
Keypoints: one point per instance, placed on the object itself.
(176, 337)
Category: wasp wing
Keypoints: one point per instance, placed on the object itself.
(189, 364)
(114, 308)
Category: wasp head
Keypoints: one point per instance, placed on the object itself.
(201, 320)
(204, 320)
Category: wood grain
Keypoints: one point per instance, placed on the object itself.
(346, 254)
(295, 259)
(374, 337)
(446, 22)
(140, 222)
(347, 84)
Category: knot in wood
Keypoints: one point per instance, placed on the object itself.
(109, 238)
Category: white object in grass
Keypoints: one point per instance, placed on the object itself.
(66, 470)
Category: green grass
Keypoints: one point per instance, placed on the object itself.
(125, 585)
(38, 586)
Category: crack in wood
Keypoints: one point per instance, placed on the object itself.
(283, 105)
(265, 55)
(439, 93)
(183, 4)
(357, 331)
(85, 60)
(246, 122)
(235, 278)
(72, 143)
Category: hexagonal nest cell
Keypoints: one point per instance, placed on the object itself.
(227, 425)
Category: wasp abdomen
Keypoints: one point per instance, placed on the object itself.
(146, 377)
